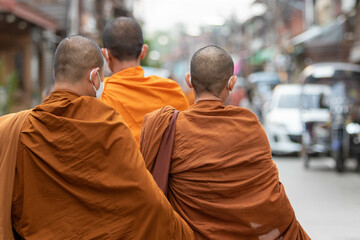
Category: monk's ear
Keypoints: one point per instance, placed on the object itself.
(144, 51)
(188, 80)
(105, 53)
(108, 57)
(231, 82)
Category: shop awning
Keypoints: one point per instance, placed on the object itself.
(332, 32)
(28, 14)
(263, 55)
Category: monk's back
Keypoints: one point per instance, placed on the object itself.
(219, 135)
(79, 175)
(222, 174)
(128, 91)
(133, 95)
(222, 179)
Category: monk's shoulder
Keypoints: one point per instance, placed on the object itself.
(112, 78)
(162, 112)
(241, 112)
(86, 100)
(99, 109)
(112, 87)
(107, 79)
(161, 80)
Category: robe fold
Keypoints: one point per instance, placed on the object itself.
(222, 178)
(79, 175)
(10, 125)
(133, 95)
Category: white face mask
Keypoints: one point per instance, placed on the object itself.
(100, 90)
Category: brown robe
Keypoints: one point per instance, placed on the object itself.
(222, 178)
(80, 175)
(10, 125)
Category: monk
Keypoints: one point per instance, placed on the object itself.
(222, 179)
(128, 90)
(74, 168)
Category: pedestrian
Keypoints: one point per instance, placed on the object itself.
(71, 169)
(128, 90)
(222, 179)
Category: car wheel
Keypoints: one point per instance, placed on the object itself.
(305, 158)
(306, 139)
(339, 161)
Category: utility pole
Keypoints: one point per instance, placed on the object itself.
(309, 13)
(74, 17)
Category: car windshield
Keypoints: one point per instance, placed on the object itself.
(264, 88)
(289, 101)
(311, 101)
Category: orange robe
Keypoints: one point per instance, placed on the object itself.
(79, 175)
(10, 125)
(222, 178)
(134, 95)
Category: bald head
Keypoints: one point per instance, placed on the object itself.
(74, 57)
(123, 38)
(211, 68)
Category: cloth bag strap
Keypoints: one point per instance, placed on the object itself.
(163, 158)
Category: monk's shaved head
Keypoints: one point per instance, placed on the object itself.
(123, 38)
(74, 57)
(211, 68)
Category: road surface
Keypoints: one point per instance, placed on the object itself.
(326, 203)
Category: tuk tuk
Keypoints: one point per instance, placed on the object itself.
(337, 135)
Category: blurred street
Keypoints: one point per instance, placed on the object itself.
(326, 203)
(297, 64)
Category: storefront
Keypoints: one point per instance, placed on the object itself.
(24, 50)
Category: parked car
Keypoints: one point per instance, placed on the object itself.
(292, 105)
(282, 122)
(262, 84)
(344, 107)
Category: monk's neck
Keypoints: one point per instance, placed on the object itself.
(77, 88)
(121, 65)
(209, 96)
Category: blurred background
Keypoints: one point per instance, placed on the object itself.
(281, 36)
(297, 67)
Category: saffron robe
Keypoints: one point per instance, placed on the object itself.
(222, 178)
(79, 175)
(133, 95)
(10, 125)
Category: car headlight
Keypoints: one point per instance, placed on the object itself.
(353, 128)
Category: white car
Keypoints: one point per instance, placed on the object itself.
(284, 121)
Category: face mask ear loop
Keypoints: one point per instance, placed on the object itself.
(100, 90)
(91, 75)
(190, 81)
(99, 78)
(106, 52)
